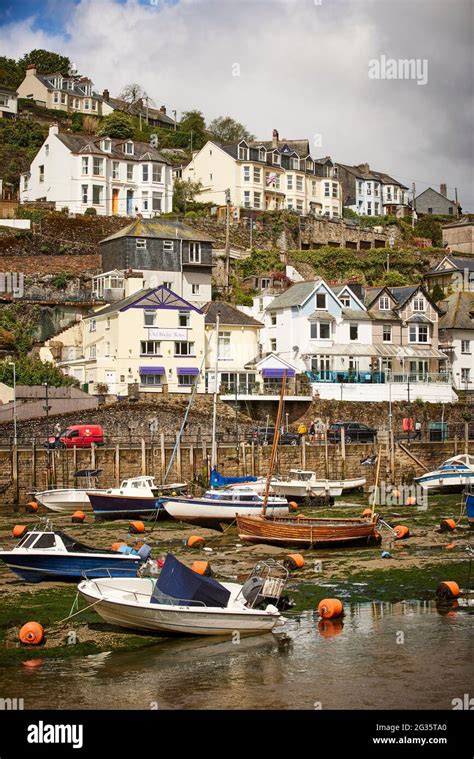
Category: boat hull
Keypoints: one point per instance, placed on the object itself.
(303, 490)
(206, 512)
(110, 506)
(445, 482)
(34, 567)
(305, 532)
(65, 500)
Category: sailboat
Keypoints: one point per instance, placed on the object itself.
(298, 530)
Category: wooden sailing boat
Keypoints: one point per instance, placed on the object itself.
(299, 530)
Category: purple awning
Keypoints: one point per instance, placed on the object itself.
(277, 373)
(187, 370)
(152, 370)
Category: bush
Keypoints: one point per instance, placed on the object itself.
(90, 211)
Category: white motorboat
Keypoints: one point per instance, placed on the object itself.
(181, 601)
(304, 484)
(223, 506)
(68, 500)
(136, 496)
(453, 475)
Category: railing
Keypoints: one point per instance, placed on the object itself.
(420, 377)
(377, 377)
(263, 389)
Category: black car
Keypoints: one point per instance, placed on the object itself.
(354, 433)
(265, 435)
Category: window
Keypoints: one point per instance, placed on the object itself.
(313, 187)
(246, 173)
(360, 186)
(145, 172)
(430, 210)
(369, 188)
(387, 333)
(56, 97)
(195, 289)
(276, 159)
(257, 175)
(256, 200)
(465, 346)
(25, 183)
(194, 252)
(299, 183)
(354, 332)
(273, 319)
(156, 201)
(94, 105)
(187, 380)
(376, 209)
(46, 150)
(418, 333)
(183, 318)
(41, 173)
(345, 300)
(130, 172)
(167, 285)
(150, 379)
(149, 318)
(128, 148)
(418, 303)
(157, 173)
(465, 375)
(369, 208)
(106, 144)
(247, 199)
(115, 169)
(150, 347)
(273, 345)
(92, 325)
(92, 351)
(97, 164)
(384, 303)
(140, 243)
(326, 189)
(289, 182)
(224, 345)
(107, 349)
(334, 190)
(299, 205)
(145, 201)
(320, 331)
(84, 193)
(97, 190)
(107, 323)
(168, 245)
(46, 541)
(321, 301)
(183, 349)
(289, 204)
(242, 154)
(376, 190)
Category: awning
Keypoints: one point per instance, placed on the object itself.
(152, 370)
(277, 373)
(187, 370)
(408, 351)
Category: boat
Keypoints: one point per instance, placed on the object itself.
(218, 480)
(307, 532)
(453, 475)
(182, 601)
(304, 484)
(47, 554)
(470, 509)
(136, 496)
(221, 506)
(67, 500)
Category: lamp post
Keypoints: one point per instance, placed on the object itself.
(15, 438)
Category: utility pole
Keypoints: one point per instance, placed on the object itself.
(227, 241)
(413, 212)
(216, 390)
(174, 114)
(456, 199)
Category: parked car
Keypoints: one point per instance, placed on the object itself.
(78, 436)
(265, 435)
(354, 432)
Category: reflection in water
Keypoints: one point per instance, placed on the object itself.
(380, 656)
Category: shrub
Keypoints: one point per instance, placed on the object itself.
(90, 212)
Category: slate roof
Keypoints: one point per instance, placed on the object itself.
(378, 176)
(77, 143)
(460, 264)
(296, 295)
(161, 229)
(458, 308)
(154, 113)
(356, 314)
(297, 146)
(118, 305)
(228, 315)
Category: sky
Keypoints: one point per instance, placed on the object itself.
(326, 70)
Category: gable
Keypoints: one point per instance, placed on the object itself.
(161, 298)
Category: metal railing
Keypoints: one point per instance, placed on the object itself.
(340, 377)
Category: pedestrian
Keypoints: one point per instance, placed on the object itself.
(302, 429)
(417, 430)
(312, 431)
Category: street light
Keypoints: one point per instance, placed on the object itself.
(15, 439)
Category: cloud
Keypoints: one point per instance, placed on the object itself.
(303, 70)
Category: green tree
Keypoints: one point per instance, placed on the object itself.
(428, 227)
(46, 62)
(31, 371)
(394, 279)
(437, 293)
(10, 74)
(193, 126)
(184, 194)
(226, 129)
(135, 96)
(118, 125)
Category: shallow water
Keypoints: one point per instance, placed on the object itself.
(382, 656)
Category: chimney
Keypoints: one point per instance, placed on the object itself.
(443, 190)
(133, 282)
(363, 168)
(275, 138)
(106, 95)
(31, 69)
(53, 128)
(163, 109)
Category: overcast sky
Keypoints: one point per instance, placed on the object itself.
(304, 70)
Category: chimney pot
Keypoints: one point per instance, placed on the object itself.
(443, 190)
(106, 95)
(31, 69)
(275, 138)
(163, 109)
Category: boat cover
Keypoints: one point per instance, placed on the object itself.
(187, 587)
(218, 480)
(470, 506)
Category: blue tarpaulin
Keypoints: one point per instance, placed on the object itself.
(218, 480)
(187, 587)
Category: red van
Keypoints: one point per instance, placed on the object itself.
(78, 435)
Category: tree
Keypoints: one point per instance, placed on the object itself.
(116, 124)
(194, 126)
(10, 74)
(90, 125)
(32, 371)
(135, 96)
(46, 62)
(428, 227)
(184, 193)
(226, 129)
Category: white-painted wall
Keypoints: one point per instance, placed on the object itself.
(430, 392)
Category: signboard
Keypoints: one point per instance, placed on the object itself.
(155, 333)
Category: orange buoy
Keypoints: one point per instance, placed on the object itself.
(396, 493)
(32, 633)
(19, 530)
(450, 546)
(330, 608)
(294, 561)
(447, 590)
(202, 568)
(116, 546)
(329, 628)
(31, 663)
(293, 506)
(136, 528)
(301, 516)
(78, 516)
(366, 513)
(410, 501)
(195, 540)
(32, 507)
(447, 525)
(401, 532)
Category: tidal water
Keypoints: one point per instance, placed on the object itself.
(381, 656)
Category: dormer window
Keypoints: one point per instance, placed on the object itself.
(384, 303)
(345, 300)
(276, 159)
(106, 145)
(262, 154)
(243, 153)
(418, 303)
(128, 148)
(294, 163)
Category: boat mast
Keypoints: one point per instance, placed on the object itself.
(216, 388)
(276, 438)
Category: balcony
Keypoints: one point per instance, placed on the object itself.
(355, 377)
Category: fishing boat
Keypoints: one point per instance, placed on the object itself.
(182, 601)
(47, 554)
(222, 506)
(453, 475)
(307, 532)
(68, 500)
(136, 496)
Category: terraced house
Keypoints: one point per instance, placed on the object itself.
(267, 176)
(114, 177)
(372, 193)
(62, 93)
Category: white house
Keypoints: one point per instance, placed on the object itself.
(115, 177)
(456, 335)
(62, 93)
(371, 193)
(8, 102)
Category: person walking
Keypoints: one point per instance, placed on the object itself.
(312, 431)
(417, 430)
